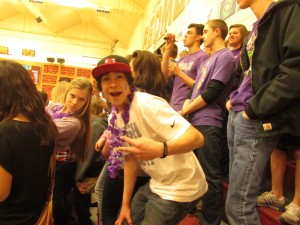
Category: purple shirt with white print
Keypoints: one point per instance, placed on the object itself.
(190, 65)
(220, 66)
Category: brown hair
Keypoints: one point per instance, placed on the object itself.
(199, 29)
(149, 77)
(80, 144)
(19, 96)
(217, 23)
(243, 30)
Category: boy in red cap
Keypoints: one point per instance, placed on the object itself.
(144, 131)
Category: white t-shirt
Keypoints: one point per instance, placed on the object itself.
(177, 177)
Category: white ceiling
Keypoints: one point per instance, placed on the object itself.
(84, 24)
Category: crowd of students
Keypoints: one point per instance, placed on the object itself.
(233, 106)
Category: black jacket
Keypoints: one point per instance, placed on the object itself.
(92, 165)
(276, 71)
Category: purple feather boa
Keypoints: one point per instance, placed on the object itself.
(54, 111)
(116, 158)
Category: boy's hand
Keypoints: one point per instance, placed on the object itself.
(143, 148)
(124, 215)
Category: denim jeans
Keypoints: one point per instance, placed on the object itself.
(249, 155)
(148, 208)
(230, 134)
(99, 190)
(209, 156)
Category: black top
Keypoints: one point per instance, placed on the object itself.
(28, 163)
(275, 71)
(91, 167)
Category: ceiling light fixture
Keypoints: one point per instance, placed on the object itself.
(50, 59)
(74, 4)
(60, 60)
(37, 1)
(39, 19)
(103, 10)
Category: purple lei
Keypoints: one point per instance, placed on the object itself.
(55, 113)
(116, 158)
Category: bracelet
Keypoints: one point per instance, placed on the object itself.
(165, 150)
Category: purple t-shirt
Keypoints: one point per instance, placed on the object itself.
(240, 98)
(236, 54)
(220, 66)
(190, 65)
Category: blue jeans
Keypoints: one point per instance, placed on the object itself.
(209, 156)
(230, 134)
(99, 190)
(148, 208)
(249, 155)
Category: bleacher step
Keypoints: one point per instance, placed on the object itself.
(267, 216)
(190, 220)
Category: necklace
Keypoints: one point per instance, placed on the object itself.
(116, 158)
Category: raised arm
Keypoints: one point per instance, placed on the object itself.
(166, 55)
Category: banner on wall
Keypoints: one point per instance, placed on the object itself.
(87, 73)
(178, 9)
(34, 71)
(227, 9)
(48, 89)
(158, 32)
(67, 71)
(164, 14)
(46, 76)
(51, 69)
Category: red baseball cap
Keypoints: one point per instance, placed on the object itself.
(111, 63)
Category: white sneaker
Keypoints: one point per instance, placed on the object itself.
(291, 215)
(268, 199)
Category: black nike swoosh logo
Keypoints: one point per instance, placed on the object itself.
(172, 125)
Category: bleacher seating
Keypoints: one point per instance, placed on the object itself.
(267, 216)
(189, 220)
